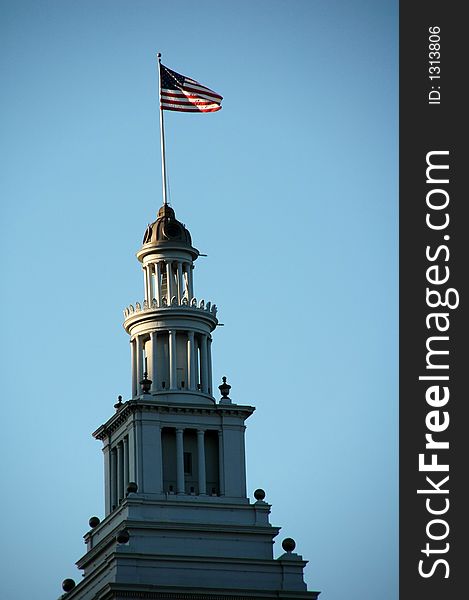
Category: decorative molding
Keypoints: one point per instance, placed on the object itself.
(115, 591)
(157, 595)
(185, 303)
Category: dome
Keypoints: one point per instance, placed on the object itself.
(167, 230)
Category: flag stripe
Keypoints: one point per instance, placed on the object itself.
(175, 94)
(195, 101)
(186, 102)
(203, 94)
(188, 109)
(203, 90)
(193, 107)
(189, 104)
(187, 99)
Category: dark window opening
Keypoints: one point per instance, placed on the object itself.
(187, 463)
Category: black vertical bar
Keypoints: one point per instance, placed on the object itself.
(433, 266)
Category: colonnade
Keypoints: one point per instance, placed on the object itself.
(188, 364)
(119, 468)
(121, 455)
(203, 459)
(168, 279)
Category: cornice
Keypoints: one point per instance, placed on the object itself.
(131, 407)
(115, 591)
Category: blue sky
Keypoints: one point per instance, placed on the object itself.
(291, 191)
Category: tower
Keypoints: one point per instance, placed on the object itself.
(178, 523)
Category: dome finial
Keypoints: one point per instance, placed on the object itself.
(167, 231)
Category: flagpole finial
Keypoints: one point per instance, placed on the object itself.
(158, 55)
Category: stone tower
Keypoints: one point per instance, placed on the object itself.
(178, 522)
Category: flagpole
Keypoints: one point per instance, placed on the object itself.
(163, 155)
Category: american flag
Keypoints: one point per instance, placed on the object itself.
(185, 94)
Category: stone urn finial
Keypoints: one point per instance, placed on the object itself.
(145, 384)
(224, 390)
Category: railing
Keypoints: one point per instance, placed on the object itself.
(131, 310)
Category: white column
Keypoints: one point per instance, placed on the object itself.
(190, 281)
(147, 294)
(158, 282)
(180, 283)
(191, 372)
(120, 473)
(221, 463)
(197, 361)
(209, 365)
(150, 284)
(187, 267)
(154, 361)
(138, 454)
(172, 360)
(133, 362)
(203, 363)
(145, 283)
(107, 478)
(126, 463)
(201, 461)
(113, 479)
(159, 455)
(180, 487)
(169, 279)
(132, 455)
(139, 363)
